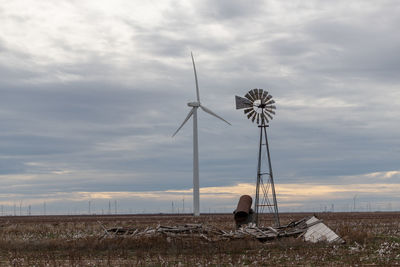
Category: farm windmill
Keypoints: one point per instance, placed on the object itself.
(258, 106)
(193, 112)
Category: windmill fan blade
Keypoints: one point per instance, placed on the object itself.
(260, 92)
(195, 77)
(255, 92)
(183, 123)
(254, 116)
(270, 102)
(248, 96)
(270, 111)
(266, 113)
(212, 113)
(253, 95)
(266, 119)
(258, 118)
(250, 114)
(264, 96)
(242, 102)
(265, 93)
(270, 107)
(268, 98)
(247, 110)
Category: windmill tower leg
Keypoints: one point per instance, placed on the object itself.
(271, 176)
(257, 202)
(196, 191)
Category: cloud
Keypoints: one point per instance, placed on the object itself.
(384, 175)
(92, 92)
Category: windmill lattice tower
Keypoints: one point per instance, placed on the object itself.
(258, 106)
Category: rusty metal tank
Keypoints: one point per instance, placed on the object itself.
(243, 210)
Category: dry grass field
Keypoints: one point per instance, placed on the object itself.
(371, 239)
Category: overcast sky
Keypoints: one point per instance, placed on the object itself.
(91, 92)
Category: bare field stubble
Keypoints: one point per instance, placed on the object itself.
(371, 238)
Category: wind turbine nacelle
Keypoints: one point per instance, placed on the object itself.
(193, 104)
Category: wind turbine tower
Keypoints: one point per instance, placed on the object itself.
(193, 112)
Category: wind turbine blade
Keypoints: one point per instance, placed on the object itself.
(212, 113)
(183, 123)
(195, 77)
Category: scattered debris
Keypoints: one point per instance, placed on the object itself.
(311, 229)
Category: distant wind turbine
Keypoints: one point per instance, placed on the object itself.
(193, 112)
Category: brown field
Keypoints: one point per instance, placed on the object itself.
(371, 239)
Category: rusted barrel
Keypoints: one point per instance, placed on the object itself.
(243, 209)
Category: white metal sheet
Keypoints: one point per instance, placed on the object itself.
(318, 231)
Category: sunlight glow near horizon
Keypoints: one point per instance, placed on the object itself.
(289, 196)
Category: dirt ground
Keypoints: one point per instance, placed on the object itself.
(371, 239)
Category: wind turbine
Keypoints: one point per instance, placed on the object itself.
(193, 112)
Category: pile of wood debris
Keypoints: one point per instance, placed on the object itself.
(311, 229)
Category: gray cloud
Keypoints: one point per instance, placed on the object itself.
(91, 108)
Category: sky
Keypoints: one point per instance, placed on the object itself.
(92, 91)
